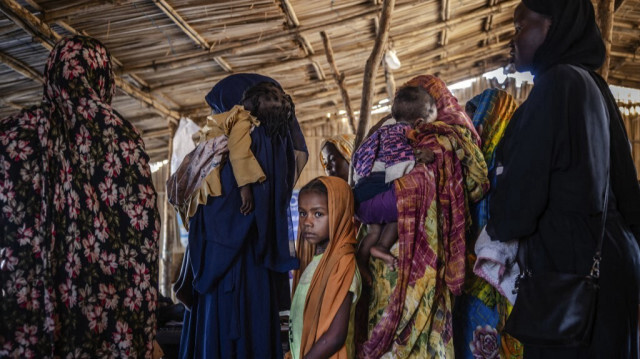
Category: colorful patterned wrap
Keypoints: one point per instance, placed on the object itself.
(410, 313)
(481, 312)
(79, 220)
(388, 144)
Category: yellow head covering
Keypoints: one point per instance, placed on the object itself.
(344, 144)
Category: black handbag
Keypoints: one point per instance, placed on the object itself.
(556, 309)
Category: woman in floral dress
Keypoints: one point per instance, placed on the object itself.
(79, 223)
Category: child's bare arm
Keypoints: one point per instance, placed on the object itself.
(331, 341)
(247, 199)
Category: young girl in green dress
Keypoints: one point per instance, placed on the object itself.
(324, 301)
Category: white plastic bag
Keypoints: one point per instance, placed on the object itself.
(182, 142)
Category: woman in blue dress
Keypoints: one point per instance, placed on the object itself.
(239, 261)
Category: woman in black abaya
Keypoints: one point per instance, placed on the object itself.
(553, 163)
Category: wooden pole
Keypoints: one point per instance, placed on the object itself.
(371, 68)
(339, 77)
(606, 9)
(167, 244)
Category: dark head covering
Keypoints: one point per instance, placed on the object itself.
(573, 38)
(228, 91)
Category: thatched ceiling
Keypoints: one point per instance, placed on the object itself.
(169, 53)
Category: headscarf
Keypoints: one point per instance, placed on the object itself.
(304, 249)
(494, 111)
(344, 144)
(574, 39)
(333, 276)
(79, 222)
(436, 194)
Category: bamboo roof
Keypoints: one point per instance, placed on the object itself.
(169, 53)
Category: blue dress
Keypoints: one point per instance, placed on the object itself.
(239, 261)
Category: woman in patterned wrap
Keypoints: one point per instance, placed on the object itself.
(79, 224)
(410, 310)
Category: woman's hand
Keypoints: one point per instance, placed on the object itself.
(247, 199)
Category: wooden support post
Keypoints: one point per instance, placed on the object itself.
(21, 68)
(606, 9)
(166, 242)
(339, 77)
(371, 68)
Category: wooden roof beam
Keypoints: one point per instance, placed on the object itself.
(619, 4)
(191, 32)
(605, 12)
(371, 12)
(613, 80)
(293, 23)
(55, 15)
(157, 133)
(21, 68)
(633, 57)
(292, 63)
(45, 35)
(489, 22)
(182, 24)
(290, 14)
(11, 104)
(445, 14)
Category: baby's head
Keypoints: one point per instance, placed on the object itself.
(271, 105)
(413, 103)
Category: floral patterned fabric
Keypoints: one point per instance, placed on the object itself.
(481, 311)
(79, 224)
